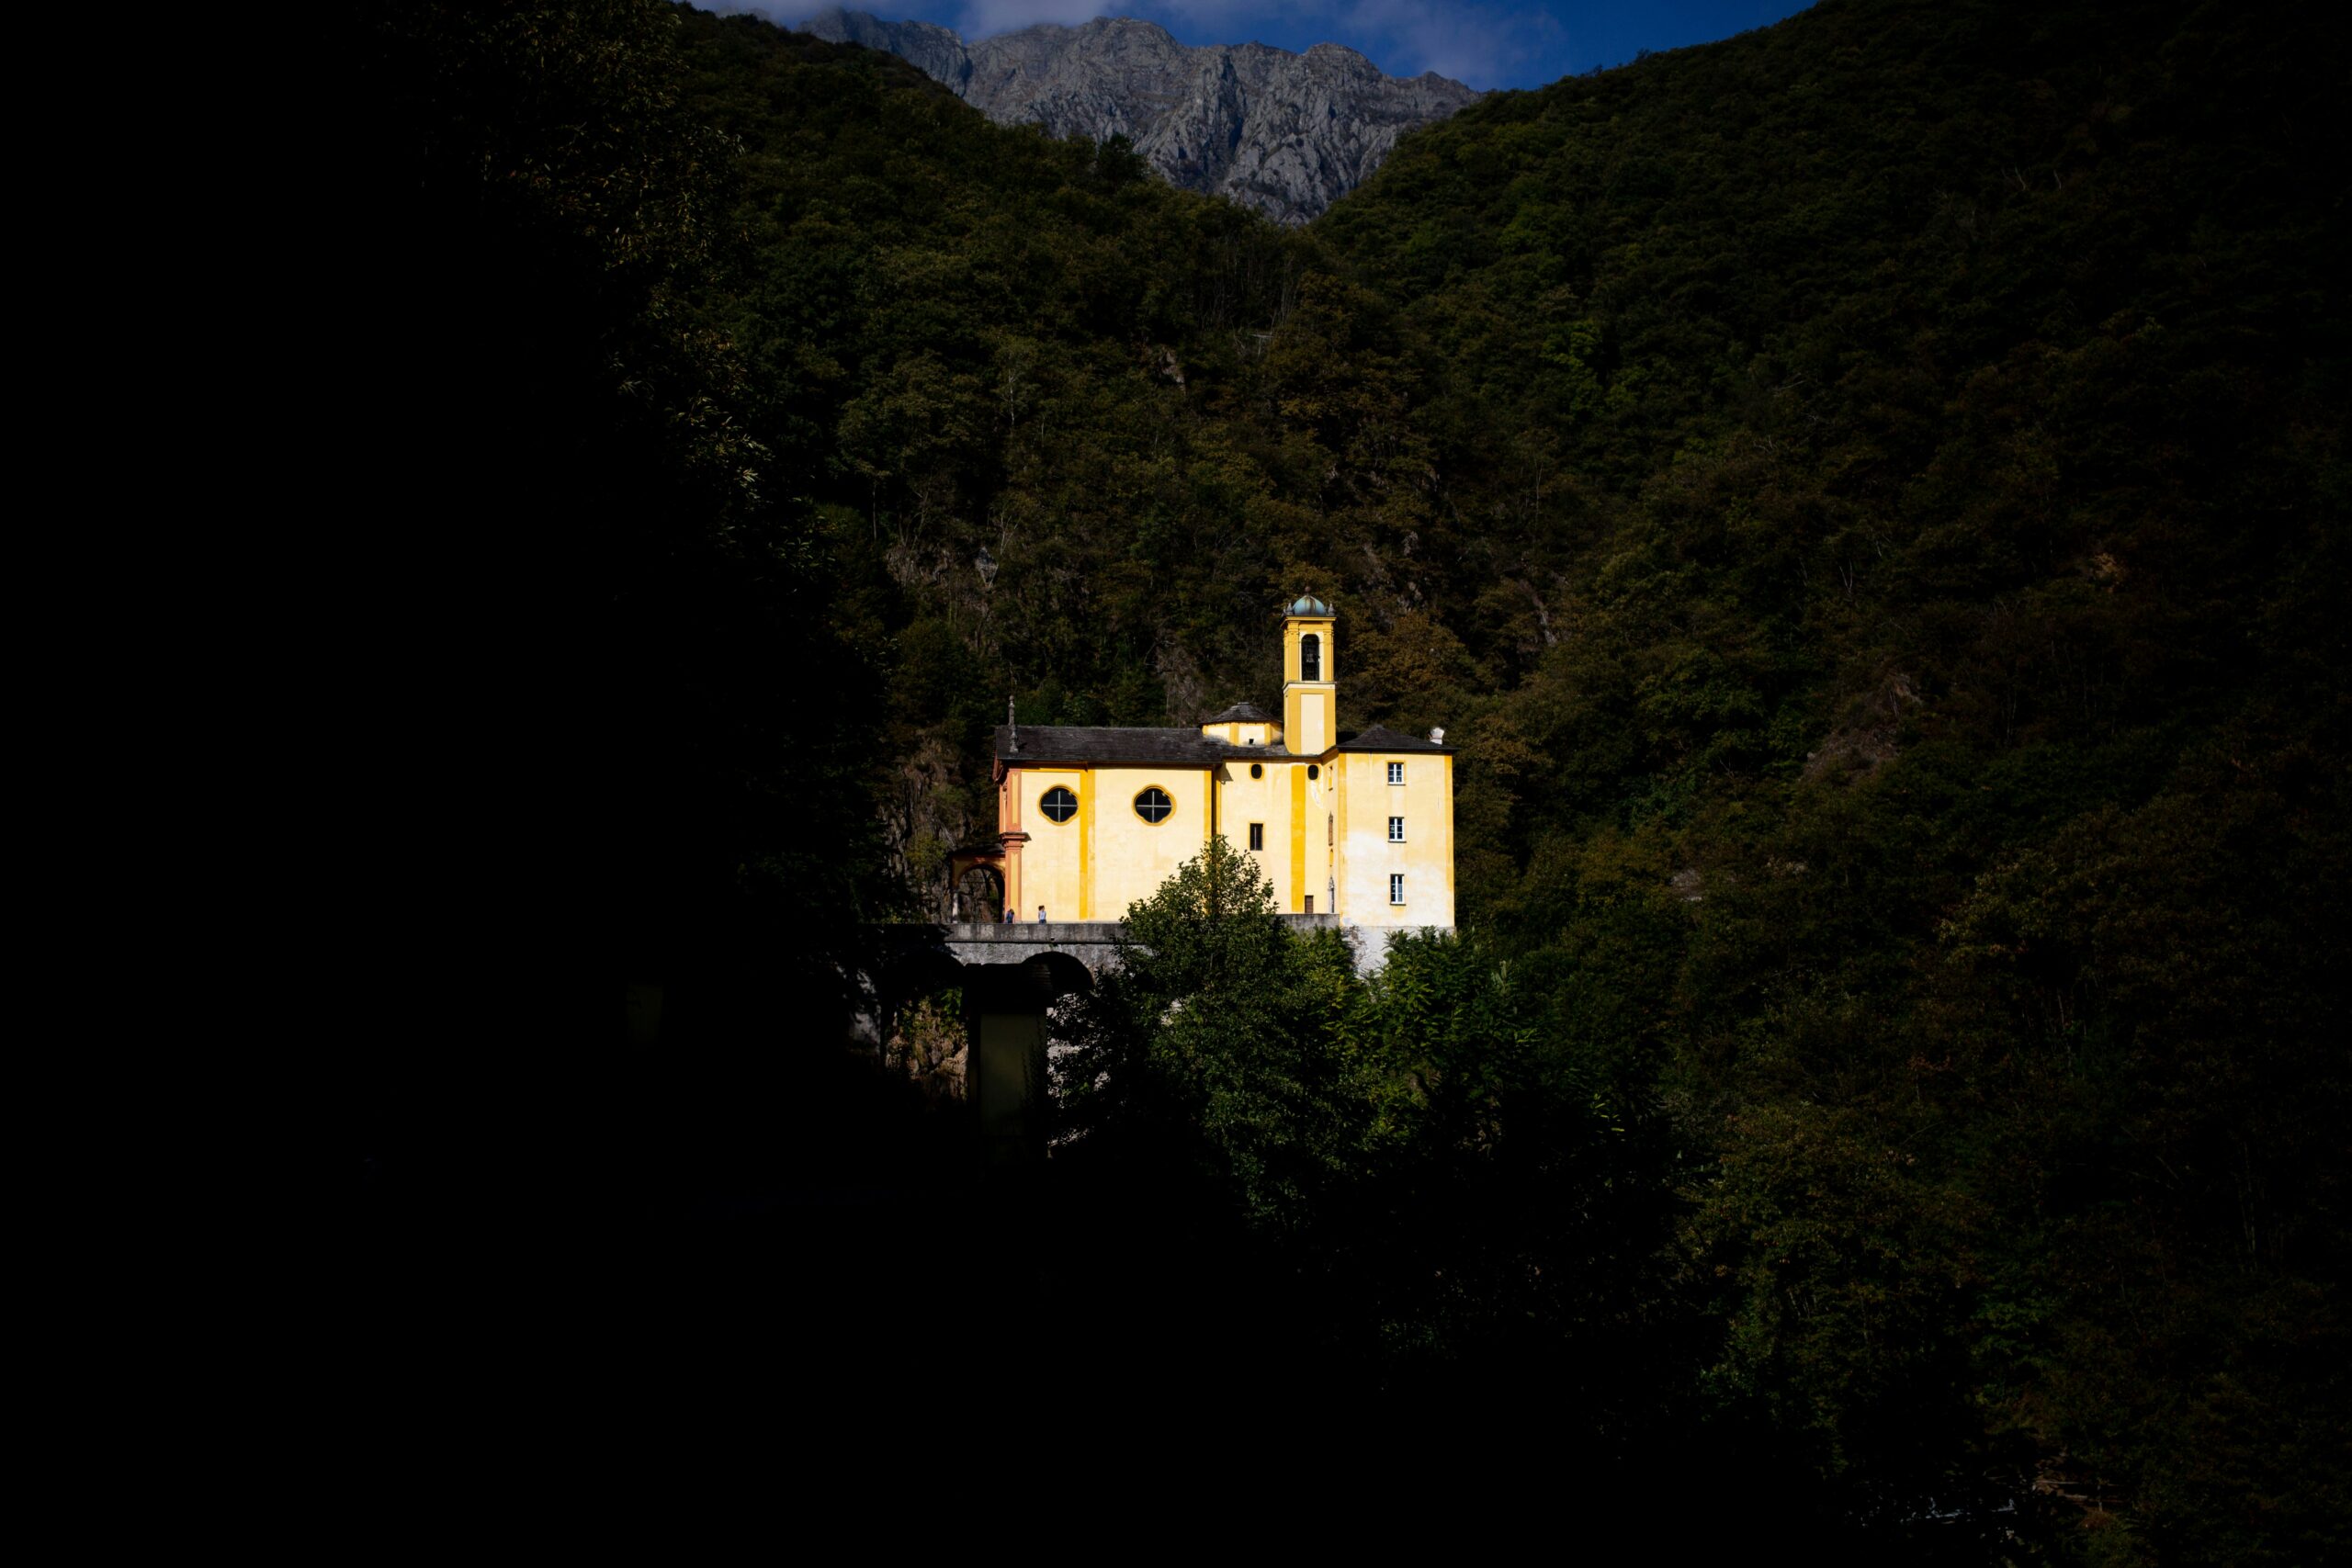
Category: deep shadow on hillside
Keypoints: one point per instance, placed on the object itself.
(1867, 497)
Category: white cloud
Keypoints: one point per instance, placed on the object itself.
(1222, 21)
(982, 18)
(1464, 42)
(1470, 41)
(1226, 15)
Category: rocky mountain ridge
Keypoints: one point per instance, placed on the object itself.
(1286, 134)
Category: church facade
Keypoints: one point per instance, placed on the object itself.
(1354, 825)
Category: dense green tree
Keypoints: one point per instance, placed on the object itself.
(1203, 1045)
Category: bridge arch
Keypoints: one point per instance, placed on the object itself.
(1010, 974)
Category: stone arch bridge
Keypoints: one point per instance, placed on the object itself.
(1010, 975)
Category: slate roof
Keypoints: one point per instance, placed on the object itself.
(1241, 713)
(1042, 743)
(1046, 743)
(1380, 737)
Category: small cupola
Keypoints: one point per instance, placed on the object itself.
(1243, 724)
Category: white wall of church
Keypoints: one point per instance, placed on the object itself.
(1424, 858)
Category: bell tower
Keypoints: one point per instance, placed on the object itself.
(1310, 699)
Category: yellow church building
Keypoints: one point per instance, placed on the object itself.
(1356, 826)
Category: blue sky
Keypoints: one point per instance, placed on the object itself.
(1487, 43)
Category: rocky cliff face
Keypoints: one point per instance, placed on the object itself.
(1286, 133)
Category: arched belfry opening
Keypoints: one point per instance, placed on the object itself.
(1311, 658)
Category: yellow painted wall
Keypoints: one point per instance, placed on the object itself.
(1328, 802)
(1127, 857)
(1292, 903)
(1242, 800)
(1239, 734)
(1309, 711)
(1295, 801)
(1322, 832)
(1051, 859)
(1426, 857)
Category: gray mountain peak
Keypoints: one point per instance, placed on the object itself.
(1288, 134)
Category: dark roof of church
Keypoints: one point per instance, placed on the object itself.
(1241, 713)
(1044, 743)
(1072, 743)
(1380, 737)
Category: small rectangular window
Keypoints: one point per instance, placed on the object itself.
(1396, 773)
(1310, 903)
(1330, 829)
(1257, 835)
(1395, 830)
(1397, 889)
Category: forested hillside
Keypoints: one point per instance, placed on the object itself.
(1899, 459)
(1867, 498)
